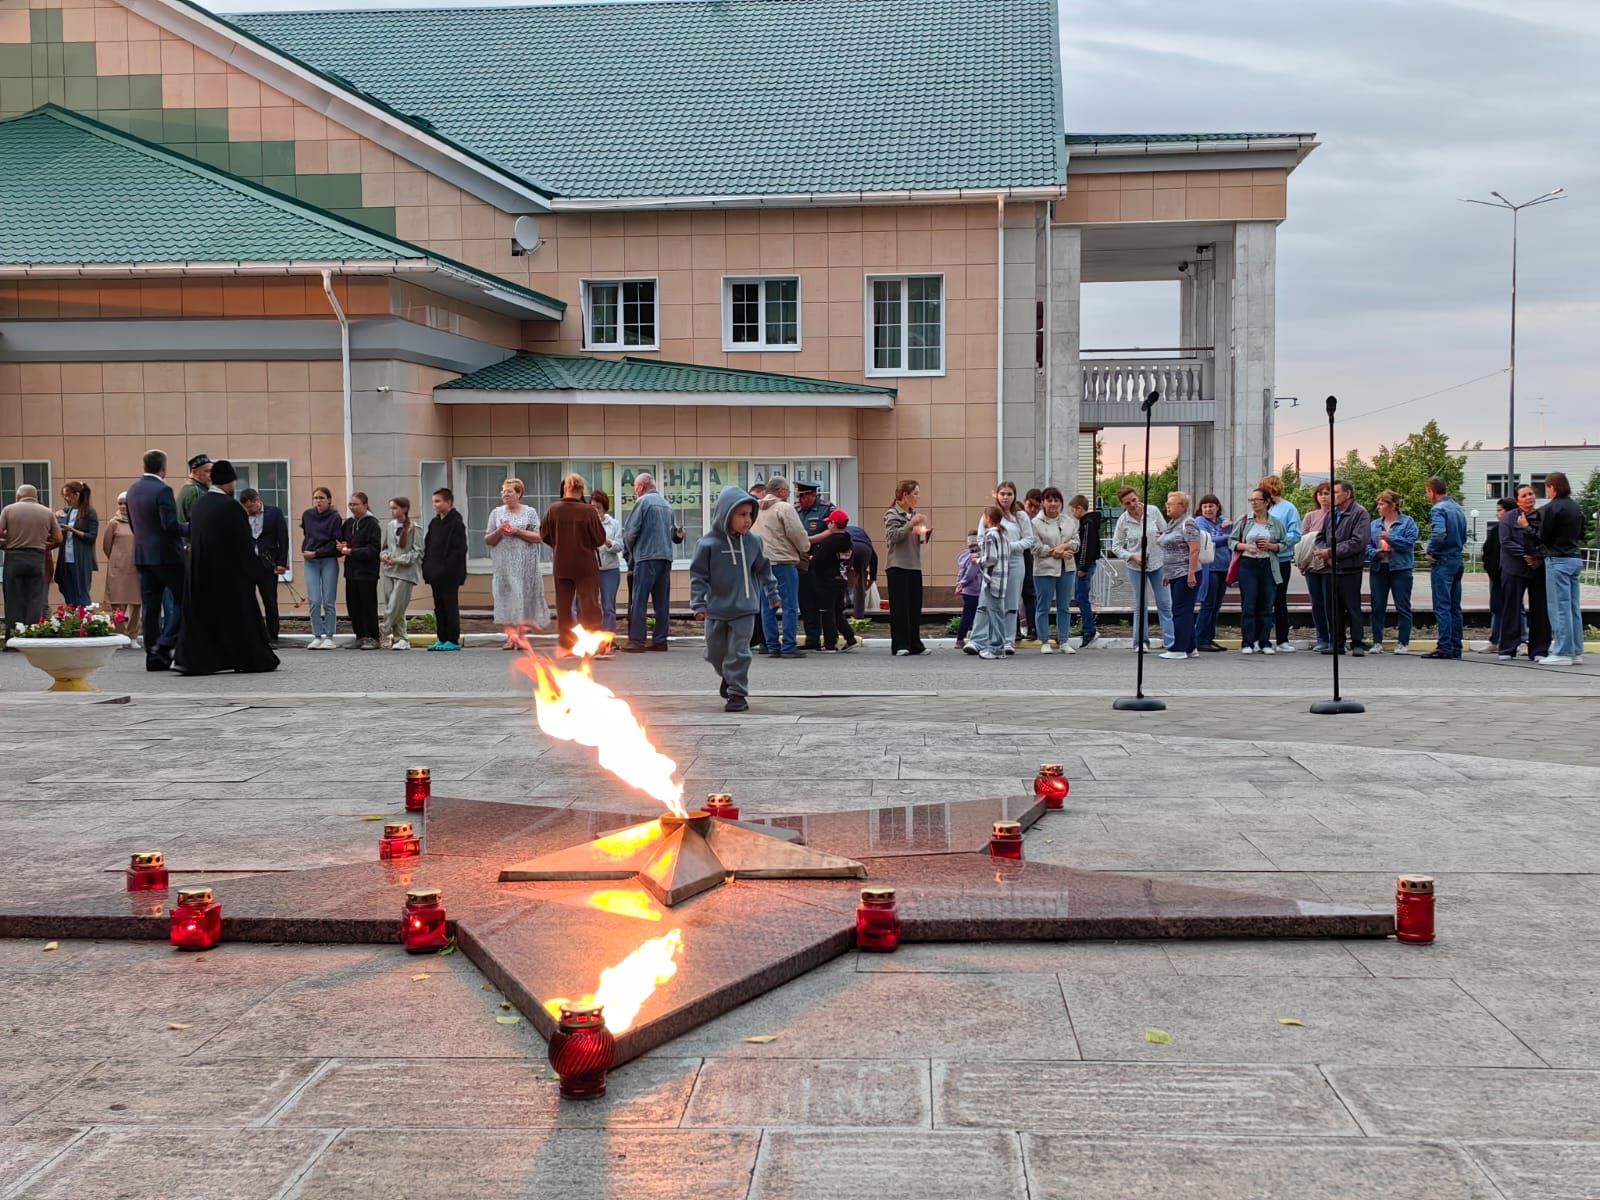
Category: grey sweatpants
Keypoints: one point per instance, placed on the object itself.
(728, 650)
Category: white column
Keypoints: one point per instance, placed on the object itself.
(1066, 372)
(1251, 343)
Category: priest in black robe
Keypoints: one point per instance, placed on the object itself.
(223, 628)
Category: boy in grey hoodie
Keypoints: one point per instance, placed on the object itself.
(729, 580)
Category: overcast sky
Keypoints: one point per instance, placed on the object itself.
(1388, 288)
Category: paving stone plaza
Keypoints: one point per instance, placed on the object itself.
(991, 1068)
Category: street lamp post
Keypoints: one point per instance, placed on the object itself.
(1500, 201)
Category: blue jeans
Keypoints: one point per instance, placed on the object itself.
(1048, 589)
(1387, 583)
(1257, 594)
(1317, 583)
(651, 587)
(322, 590)
(1182, 604)
(969, 614)
(1561, 579)
(788, 577)
(1141, 613)
(610, 577)
(1081, 597)
(1445, 578)
(1213, 587)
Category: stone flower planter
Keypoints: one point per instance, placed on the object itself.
(70, 661)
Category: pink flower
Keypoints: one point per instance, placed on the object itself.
(120, 618)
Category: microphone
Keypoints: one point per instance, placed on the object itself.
(1333, 403)
(1149, 402)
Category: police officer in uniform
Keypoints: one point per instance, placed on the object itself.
(814, 516)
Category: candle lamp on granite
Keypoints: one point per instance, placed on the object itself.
(148, 871)
(399, 841)
(1051, 785)
(582, 1050)
(196, 919)
(1006, 840)
(877, 920)
(419, 786)
(720, 804)
(1413, 909)
(422, 921)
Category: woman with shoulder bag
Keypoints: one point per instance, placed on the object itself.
(1315, 569)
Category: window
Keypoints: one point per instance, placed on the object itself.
(1495, 485)
(271, 479)
(907, 325)
(761, 314)
(14, 474)
(619, 314)
(541, 482)
(689, 485)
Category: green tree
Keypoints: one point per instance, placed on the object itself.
(1406, 468)
(1161, 482)
(1589, 502)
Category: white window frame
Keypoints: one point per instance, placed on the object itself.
(288, 503)
(586, 284)
(902, 372)
(732, 347)
(46, 495)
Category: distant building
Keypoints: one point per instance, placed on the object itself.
(1483, 478)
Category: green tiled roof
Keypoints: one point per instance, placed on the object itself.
(1135, 139)
(714, 97)
(566, 373)
(74, 191)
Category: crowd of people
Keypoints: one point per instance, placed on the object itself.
(783, 572)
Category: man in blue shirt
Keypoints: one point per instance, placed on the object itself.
(648, 540)
(1446, 541)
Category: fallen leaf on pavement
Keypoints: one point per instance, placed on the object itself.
(1158, 1037)
(1290, 1021)
(421, 977)
(761, 1039)
(49, 946)
(374, 816)
(508, 1020)
(178, 1025)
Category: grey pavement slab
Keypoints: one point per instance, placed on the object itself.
(574, 1164)
(141, 1092)
(1128, 1099)
(1558, 1018)
(241, 1164)
(1114, 958)
(468, 1093)
(793, 1093)
(1472, 1102)
(26, 1085)
(1540, 1170)
(1072, 1168)
(25, 1150)
(838, 1012)
(859, 1165)
(1353, 1021)
(1311, 958)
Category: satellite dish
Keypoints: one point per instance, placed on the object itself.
(525, 235)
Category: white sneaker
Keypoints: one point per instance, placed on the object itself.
(1066, 648)
(314, 644)
(1247, 650)
(400, 644)
(1267, 650)
(1173, 654)
(1194, 654)
(1286, 648)
(1045, 649)
(1376, 649)
(1402, 648)
(988, 654)
(902, 653)
(329, 643)
(1554, 660)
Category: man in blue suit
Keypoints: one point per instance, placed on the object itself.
(158, 557)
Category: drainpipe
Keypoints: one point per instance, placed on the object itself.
(344, 362)
(1049, 334)
(1000, 340)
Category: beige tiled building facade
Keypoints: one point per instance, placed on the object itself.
(814, 281)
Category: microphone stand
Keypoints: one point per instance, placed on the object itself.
(1336, 706)
(1139, 702)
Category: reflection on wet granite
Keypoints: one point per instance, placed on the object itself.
(537, 941)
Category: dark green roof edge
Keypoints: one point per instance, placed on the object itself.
(345, 86)
(485, 378)
(1116, 139)
(278, 200)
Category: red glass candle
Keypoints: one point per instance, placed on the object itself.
(1413, 908)
(422, 923)
(720, 804)
(1006, 841)
(877, 921)
(582, 1050)
(147, 871)
(1051, 785)
(196, 919)
(398, 841)
(419, 786)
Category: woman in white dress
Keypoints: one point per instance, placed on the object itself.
(514, 540)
